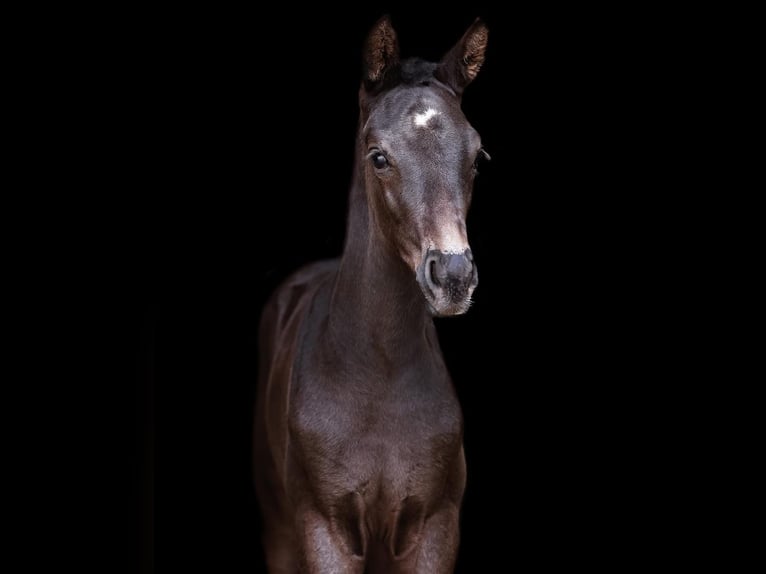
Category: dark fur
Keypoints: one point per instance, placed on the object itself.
(359, 461)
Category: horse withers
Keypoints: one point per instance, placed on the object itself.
(359, 463)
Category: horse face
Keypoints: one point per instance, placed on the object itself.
(421, 160)
(421, 157)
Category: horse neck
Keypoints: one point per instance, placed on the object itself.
(377, 307)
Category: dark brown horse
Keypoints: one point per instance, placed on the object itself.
(359, 463)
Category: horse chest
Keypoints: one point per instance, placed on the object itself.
(398, 442)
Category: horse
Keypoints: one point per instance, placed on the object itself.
(359, 463)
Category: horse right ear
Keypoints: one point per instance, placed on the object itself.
(381, 53)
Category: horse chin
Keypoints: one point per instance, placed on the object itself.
(443, 307)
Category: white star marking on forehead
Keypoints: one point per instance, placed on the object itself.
(421, 120)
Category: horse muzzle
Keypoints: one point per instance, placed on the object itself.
(447, 281)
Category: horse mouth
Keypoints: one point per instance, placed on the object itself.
(448, 309)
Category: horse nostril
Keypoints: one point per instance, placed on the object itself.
(450, 274)
(432, 273)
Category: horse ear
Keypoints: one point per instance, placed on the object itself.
(381, 52)
(462, 63)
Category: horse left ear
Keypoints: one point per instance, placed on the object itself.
(462, 63)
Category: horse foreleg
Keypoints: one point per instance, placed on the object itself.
(438, 548)
(323, 551)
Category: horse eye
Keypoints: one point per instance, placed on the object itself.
(379, 160)
(481, 157)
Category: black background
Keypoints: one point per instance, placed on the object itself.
(247, 124)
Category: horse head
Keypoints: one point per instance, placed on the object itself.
(421, 156)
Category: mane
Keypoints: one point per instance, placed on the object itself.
(414, 71)
(409, 72)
